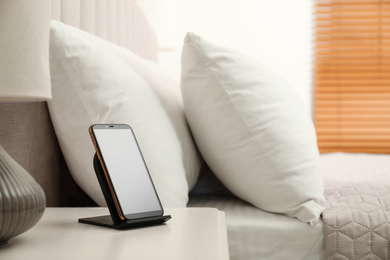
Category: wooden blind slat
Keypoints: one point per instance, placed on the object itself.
(357, 68)
(352, 76)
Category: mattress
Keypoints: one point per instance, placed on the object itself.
(256, 234)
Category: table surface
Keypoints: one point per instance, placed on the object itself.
(192, 233)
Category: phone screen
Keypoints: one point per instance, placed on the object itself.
(125, 168)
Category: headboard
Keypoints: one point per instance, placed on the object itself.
(26, 131)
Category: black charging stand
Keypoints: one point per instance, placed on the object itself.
(113, 220)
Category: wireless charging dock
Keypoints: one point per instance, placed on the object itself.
(113, 220)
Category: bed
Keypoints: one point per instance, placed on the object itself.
(355, 214)
(36, 139)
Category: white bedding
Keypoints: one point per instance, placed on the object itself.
(256, 234)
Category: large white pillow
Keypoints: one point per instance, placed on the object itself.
(95, 81)
(252, 130)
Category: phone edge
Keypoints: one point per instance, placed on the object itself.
(106, 175)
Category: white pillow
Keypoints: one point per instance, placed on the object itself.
(252, 130)
(95, 81)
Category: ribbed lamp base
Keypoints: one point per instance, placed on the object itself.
(22, 200)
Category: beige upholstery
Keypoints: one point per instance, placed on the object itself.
(27, 135)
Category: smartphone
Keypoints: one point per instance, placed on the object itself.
(125, 172)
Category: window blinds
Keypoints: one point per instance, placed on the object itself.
(352, 76)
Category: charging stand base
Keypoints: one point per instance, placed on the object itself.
(113, 220)
(106, 221)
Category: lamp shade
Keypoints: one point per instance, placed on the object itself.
(24, 50)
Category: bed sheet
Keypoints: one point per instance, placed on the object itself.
(256, 234)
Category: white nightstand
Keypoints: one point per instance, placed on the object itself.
(192, 233)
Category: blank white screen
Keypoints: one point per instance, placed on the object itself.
(127, 170)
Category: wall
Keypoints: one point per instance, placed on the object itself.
(278, 33)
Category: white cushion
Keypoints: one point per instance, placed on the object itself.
(95, 81)
(252, 130)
